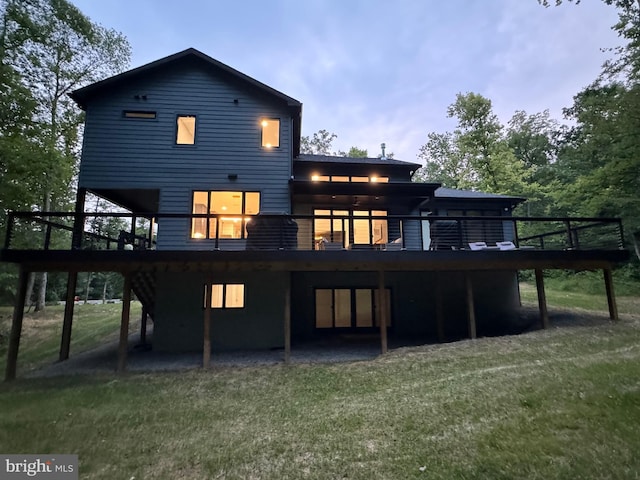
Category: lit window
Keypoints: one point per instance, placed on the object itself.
(359, 179)
(230, 210)
(270, 132)
(375, 179)
(338, 178)
(186, 131)
(139, 114)
(226, 295)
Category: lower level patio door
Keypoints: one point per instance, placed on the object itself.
(349, 308)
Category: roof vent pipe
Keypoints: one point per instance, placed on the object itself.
(383, 146)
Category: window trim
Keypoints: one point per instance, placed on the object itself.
(177, 128)
(139, 115)
(224, 286)
(243, 214)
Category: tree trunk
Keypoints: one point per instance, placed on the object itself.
(42, 286)
(30, 284)
(42, 292)
(636, 240)
(86, 287)
(104, 290)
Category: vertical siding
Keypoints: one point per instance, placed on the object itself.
(125, 153)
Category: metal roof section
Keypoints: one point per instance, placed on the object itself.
(452, 193)
(356, 161)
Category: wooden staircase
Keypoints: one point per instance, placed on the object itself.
(143, 285)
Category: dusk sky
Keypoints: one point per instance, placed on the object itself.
(382, 71)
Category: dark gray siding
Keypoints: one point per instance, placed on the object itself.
(178, 324)
(125, 153)
(413, 301)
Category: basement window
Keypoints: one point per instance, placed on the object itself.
(225, 295)
(270, 132)
(186, 130)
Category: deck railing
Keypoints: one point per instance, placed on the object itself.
(136, 231)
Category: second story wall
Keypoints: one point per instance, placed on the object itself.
(132, 141)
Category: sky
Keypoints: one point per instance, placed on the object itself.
(374, 71)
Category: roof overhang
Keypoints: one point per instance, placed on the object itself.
(365, 193)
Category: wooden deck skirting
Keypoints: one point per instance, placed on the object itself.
(130, 262)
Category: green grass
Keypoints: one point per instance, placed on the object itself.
(40, 342)
(551, 404)
(585, 301)
(554, 404)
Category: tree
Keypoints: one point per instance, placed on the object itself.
(318, 144)
(355, 152)
(599, 163)
(47, 49)
(476, 154)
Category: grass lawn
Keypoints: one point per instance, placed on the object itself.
(555, 404)
(40, 342)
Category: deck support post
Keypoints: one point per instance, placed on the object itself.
(470, 306)
(611, 297)
(439, 309)
(124, 324)
(287, 322)
(16, 326)
(143, 326)
(69, 304)
(382, 312)
(542, 299)
(206, 327)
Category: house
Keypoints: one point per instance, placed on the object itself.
(252, 245)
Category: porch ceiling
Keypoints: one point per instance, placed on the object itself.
(132, 199)
(361, 194)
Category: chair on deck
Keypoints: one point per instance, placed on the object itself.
(506, 245)
(477, 245)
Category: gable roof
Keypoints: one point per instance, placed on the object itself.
(84, 95)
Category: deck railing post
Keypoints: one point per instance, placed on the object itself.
(567, 224)
(460, 242)
(47, 236)
(78, 220)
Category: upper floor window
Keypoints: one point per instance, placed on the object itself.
(270, 132)
(139, 114)
(231, 210)
(186, 130)
(316, 177)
